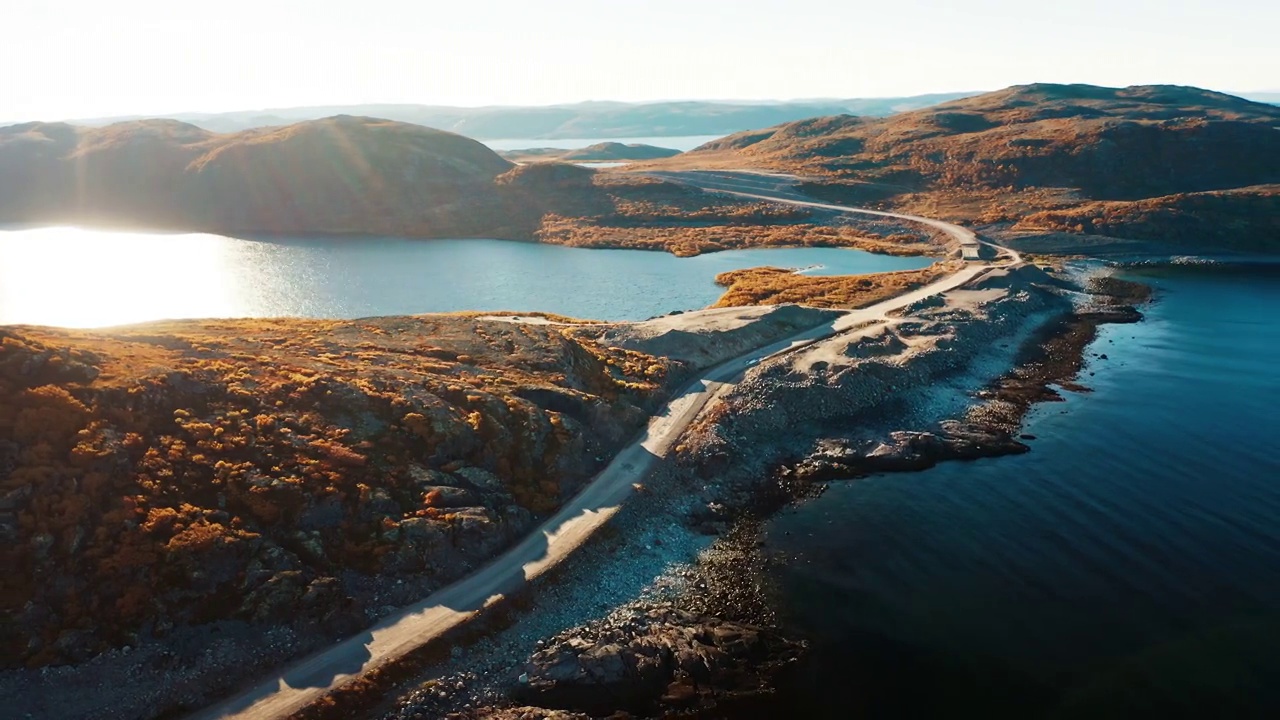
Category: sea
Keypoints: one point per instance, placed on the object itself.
(1128, 566)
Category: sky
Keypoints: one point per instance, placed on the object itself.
(63, 59)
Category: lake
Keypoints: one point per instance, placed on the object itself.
(87, 278)
(1128, 566)
(682, 143)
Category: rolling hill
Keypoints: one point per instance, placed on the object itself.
(1007, 155)
(363, 177)
(338, 175)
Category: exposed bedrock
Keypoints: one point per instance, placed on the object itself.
(866, 379)
(639, 660)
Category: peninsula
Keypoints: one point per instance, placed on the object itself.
(317, 505)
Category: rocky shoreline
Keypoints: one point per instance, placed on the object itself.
(633, 625)
(606, 666)
(1051, 359)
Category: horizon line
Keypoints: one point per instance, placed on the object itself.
(513, 106)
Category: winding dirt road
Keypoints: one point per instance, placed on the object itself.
(284, 693)
(780, 187)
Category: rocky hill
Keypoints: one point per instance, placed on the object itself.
(362, 176)
(1003, 155)
(338, 175)
(283, 473)
(1236, 220)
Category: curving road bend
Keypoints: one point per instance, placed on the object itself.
(286, 692)
(780, 187)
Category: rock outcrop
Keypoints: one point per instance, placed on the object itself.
(705, 338)
(309, 473)
(860, 379)
(647, 661)
(1051, 358)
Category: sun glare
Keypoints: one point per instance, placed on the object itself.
(126, 278)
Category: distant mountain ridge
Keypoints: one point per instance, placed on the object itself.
(579, 120)
(594, 119)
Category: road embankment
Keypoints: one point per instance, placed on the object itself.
(849, 396)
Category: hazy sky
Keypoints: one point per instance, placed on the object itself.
(81, 58)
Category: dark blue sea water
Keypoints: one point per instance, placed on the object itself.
(1129, 566)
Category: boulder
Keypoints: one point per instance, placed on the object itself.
(443, 496)
(481, 479)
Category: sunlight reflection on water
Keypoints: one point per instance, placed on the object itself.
(89, 278)
(95, 280)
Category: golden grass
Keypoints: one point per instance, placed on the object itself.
(151, 451)
(691, 240)
(549, 317)
(1031, 154)
(772, 286)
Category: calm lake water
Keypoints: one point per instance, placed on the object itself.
(85, 278)
(679, 142)
(1129, 566)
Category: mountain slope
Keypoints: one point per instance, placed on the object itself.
(363, 176)
(336, 175)
(1003, 155)
(1112, 144)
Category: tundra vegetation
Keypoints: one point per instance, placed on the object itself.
(367, 177)
(283, 471)
(775, 286)
(1190, 169)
